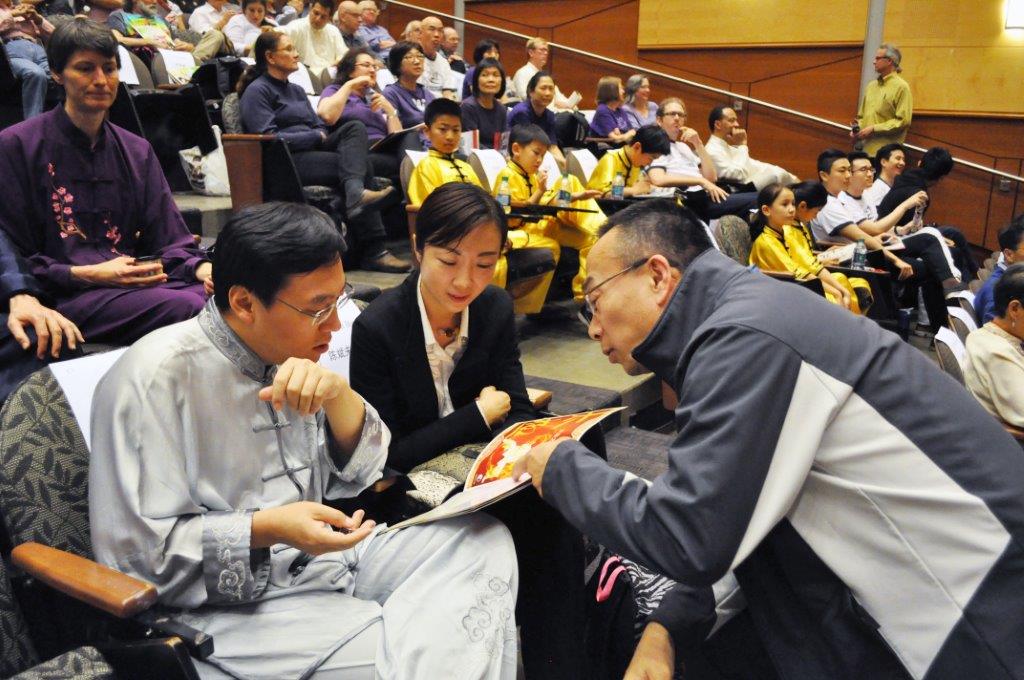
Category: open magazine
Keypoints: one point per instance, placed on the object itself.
(490, 477)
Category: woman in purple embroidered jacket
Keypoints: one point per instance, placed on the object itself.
(88, 206)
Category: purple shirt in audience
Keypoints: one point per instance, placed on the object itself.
(489, 122)
(467, 83)
(357, 108)
(69, 202)
(277, 107)
(409, 104)
(523, 114)
(637, 118)
(606, 120)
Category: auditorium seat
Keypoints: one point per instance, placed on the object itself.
(950, 351)
(260, 168)
(44, 496)
(962, 322)
(581, 162)
(487, 164)
(18, 653)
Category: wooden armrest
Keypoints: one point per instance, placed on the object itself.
(778, 275)
(101, 587)
(238, 137)
(539, 398)
(173, 87)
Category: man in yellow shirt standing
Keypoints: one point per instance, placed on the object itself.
(528, 183)
(885, 113)
(649, 143)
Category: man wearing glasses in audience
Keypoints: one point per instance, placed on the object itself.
(819, 461)
(220, 438)
(689, 168)
(348, 23)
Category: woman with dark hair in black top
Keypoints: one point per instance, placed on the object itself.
(437, 357)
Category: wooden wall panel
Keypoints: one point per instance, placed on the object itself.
(743, 23)
(957, 55)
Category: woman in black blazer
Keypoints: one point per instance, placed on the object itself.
(460, 232)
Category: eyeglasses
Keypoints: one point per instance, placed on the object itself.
(413, 57)
(868, 170)
(586, 313)
(321, 316)
(674, 114)
(881, 58)
(369, 65)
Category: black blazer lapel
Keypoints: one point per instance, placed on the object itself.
(411, 367)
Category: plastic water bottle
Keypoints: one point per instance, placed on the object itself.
(564, 197)
(505, 196)
(618, 187)
(860, 256)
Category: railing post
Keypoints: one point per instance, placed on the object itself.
(459, 10)
(872, 39)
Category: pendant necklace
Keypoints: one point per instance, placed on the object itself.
(449, 331)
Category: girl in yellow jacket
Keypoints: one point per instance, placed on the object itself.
(781, 242)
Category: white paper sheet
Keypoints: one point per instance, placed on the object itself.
(127, 72)
(338, 352)
(78, 378)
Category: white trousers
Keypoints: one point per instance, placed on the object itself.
(435, 601)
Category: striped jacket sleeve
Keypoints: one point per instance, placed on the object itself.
(724, 490)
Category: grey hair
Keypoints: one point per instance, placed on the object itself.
(658, 227)
(634, 83)
(893, 53)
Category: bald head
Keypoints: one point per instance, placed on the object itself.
(348, 17)
(368, 12)
(450, 40)
(431, 34)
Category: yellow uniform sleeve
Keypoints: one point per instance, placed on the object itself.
(424, 179)
(769, 253)
(516, 185)
(604, 173)
(800, 253)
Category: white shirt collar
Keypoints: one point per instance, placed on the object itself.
(428, 330)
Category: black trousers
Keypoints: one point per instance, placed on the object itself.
(343, 163)
(924, 254)
(734, 204)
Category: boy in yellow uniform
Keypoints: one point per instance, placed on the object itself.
(443, 119)
(527, 183)
(444, 130)
(649, 143)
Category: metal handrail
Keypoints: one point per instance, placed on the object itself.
(691, 83)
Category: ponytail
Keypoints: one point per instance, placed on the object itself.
(266, 42)
(766, 196)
